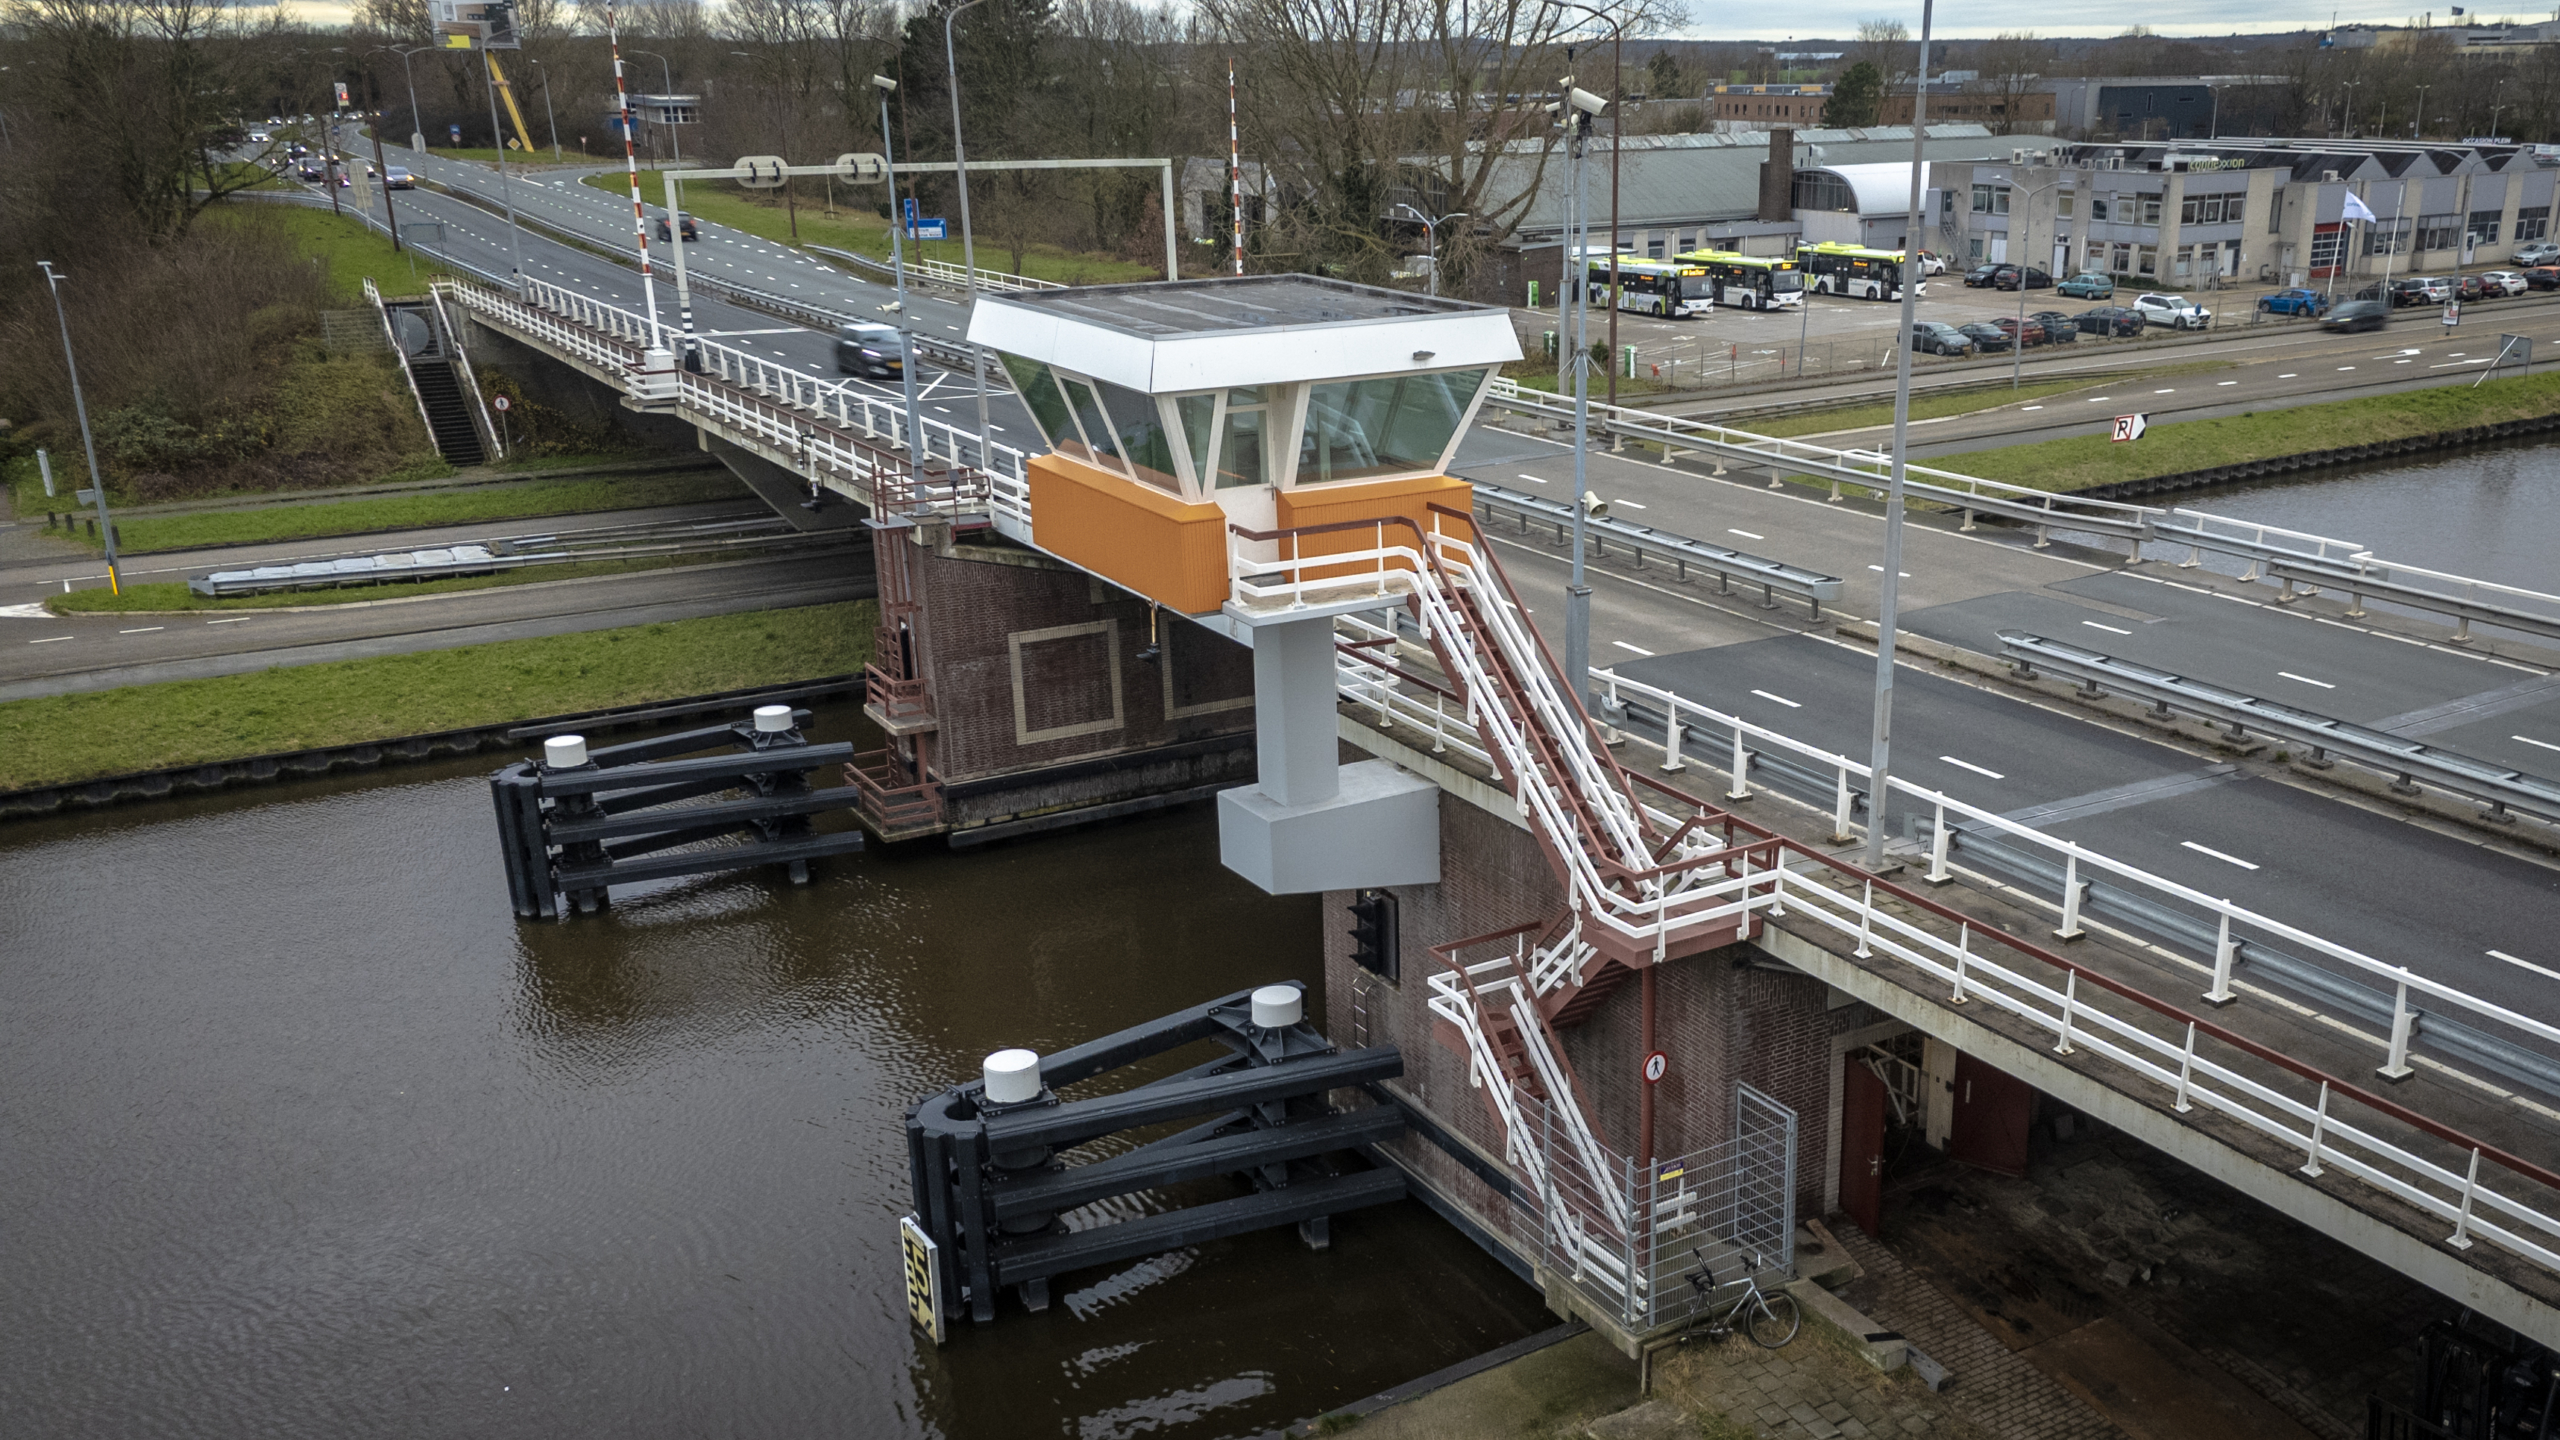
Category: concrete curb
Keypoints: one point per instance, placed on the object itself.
(1436, 1380)
(305, 764)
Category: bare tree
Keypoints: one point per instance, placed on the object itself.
(1887, 45)
(2007, 67)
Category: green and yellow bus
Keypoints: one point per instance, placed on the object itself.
(1833, 268)
(1668, 289)
(1751, 282)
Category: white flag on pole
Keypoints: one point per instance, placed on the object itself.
(2357, 209)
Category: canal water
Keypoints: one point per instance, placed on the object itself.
(306, 1136)
(2491, 513)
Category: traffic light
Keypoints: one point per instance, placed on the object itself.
(1373, 932)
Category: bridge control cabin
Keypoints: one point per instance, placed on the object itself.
(1207, 439)
(1173, 412)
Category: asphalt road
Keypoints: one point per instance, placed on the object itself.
(2437, 901)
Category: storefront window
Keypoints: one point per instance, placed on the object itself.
(1357, 429)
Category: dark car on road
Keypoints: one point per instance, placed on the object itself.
(1936, 337)
(310, 168)
(396, 178)
(2059, 329)
(2110, 320)
(867, 347)
(2296, 301)
(2357, 315)
(685, 221)
(1987, 338)
(1979, 276)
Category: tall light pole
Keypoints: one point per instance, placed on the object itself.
(898, 266)
(97, 482)
(1617, 33)
(2418, 124)
(1880, 749)
(667, 89)
(549, 118)
(968, 243)
(2018, 342)
(2347, 116)
(417, 136)
(1431, 237)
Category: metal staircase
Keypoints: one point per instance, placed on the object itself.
(439, 376)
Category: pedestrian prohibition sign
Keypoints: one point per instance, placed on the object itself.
(1656, 1065)
(2130, 427)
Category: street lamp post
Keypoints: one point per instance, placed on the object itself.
(968, 241)
(417, 136)
(2018, 342)
(898, 266)
(667, 90)
(97, 482)
(2418, 122)
(2347, 116)
(548, 118)
(1431, 237)
(1880, 751)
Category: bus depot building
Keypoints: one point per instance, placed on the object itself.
(2193, 215)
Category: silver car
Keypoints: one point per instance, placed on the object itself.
(2540, 252)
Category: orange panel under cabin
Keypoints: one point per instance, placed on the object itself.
(1410, 498)
(1165, 548)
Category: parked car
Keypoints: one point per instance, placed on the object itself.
(1979, 276)
(2293, 302)
(2007, 278)
(2109, 320)
(2355, 315)
(685, 220)
(1936, 337)
(2087, 286)
(867, 347)
(2504, 282)
(2402, 293)
(1988, 339)
(2540, 252)
(2439, 290)
(397, 178)
(1932, 263)
(2026, 333)
(2175, 312)
(2059, 329)
(2469, 287)
(2543, 277)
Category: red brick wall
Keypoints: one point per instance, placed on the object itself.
(972, 608)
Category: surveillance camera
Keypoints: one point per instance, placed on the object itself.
(884, 82)
(1584, 101)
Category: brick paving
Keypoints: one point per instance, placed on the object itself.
(1814, 1389)
(1989, 1384)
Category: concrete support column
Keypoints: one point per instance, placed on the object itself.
(1293, 700)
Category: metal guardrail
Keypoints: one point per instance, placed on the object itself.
(1724, 562)
(2460, 596)
(2411, 763)
(942, 272)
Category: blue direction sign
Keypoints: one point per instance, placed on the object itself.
(931, 227)
(911, 210)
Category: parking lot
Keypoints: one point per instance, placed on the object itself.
(1837, 337)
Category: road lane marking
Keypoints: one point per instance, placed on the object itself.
(1763, 694)
(2526, 964)
(2218, 384)
(1630, 504)
(2305, 679)
(2170, 391)
(2290, 375)
(142, 630)
(2100, 399)
(52, 639)
(1745, 534)
(1905, 574)
(2529, 740)
(1623, 645)
(2218, 855)
(2031, 407)
(234, 620)
(1969, 765)
(2110, 629)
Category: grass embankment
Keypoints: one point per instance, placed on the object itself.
(2178, 447)
(1933, 407)
(351, 250)
(349, 702)
(161, 596)
(721, 202)
(529, 500)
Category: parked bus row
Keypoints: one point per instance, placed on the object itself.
(1696, 281)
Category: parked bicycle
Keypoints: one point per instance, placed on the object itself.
(1770, 1319)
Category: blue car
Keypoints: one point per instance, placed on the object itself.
(2087, 286)
(2293, 302)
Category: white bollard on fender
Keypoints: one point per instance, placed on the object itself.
(772, 719)
(564, 752)
(1013, 1076)
(1277, 1007)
